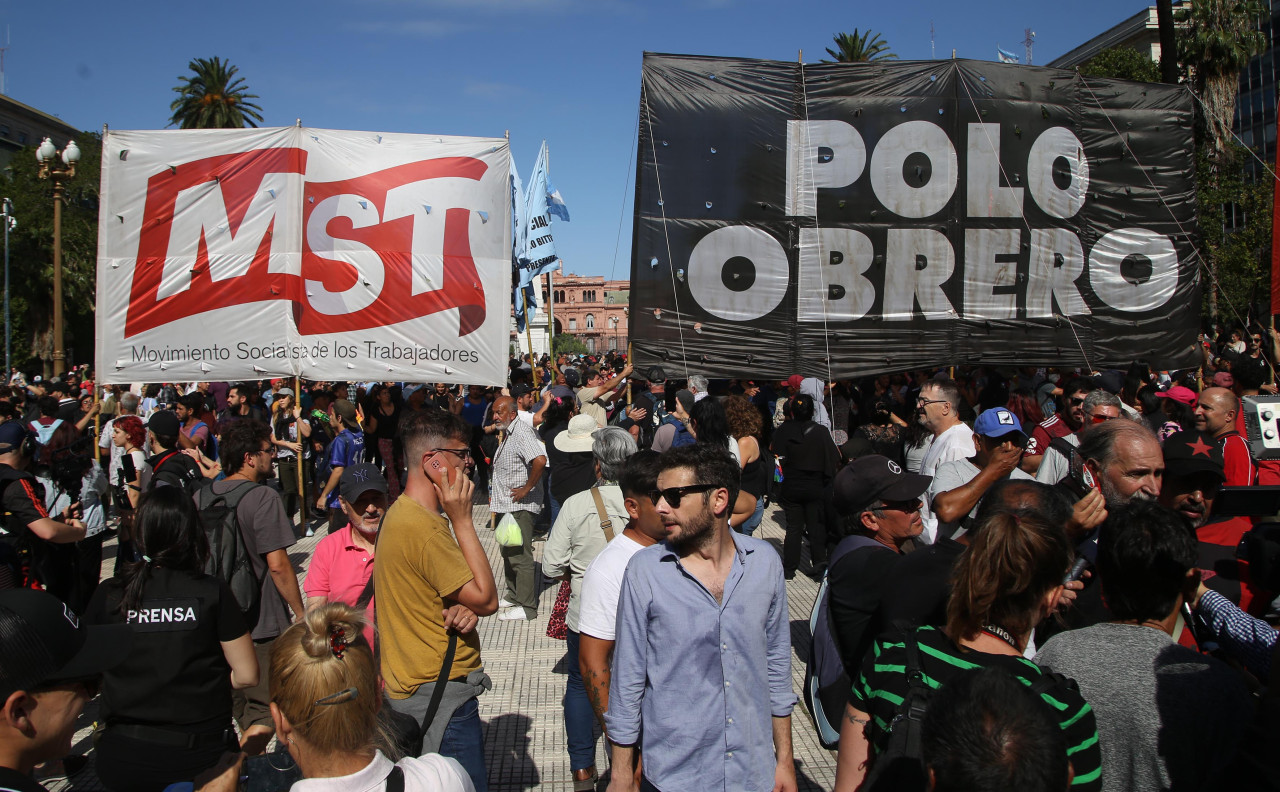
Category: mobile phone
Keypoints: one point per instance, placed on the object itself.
(1080, 478)
(441, 472)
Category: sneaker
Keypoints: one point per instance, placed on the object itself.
(514, 613)
(310, 531)
(503, 604)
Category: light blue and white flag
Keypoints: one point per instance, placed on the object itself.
(1005, 56)
(542, 200)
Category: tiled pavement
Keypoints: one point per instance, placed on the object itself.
(523, 718)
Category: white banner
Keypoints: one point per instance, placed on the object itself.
(248, 253)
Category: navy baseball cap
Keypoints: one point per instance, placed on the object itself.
(12, 435)
(45, 642)
(358, 479)
(997, 422)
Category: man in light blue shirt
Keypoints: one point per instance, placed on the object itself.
(702, 660)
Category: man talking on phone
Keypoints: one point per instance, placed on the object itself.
(431, 583)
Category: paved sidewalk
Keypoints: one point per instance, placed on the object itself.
(523, 718)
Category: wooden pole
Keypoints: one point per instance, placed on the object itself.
(528, 334)
(97, 423)
(303, 503)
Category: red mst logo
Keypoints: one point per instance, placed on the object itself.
(209, 241)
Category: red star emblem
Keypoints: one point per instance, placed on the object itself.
(1199, 447)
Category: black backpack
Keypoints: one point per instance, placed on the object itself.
(229, 555)
(900, 766)
(176, 469)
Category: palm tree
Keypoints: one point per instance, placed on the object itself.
(213, 98)
(854, 48)
(1216, 41)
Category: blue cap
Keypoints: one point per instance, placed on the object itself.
(997, 422)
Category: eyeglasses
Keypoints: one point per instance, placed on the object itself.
(925, 402)
(460, 453)
(673, 495)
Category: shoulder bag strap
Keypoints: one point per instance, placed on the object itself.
(606, 524)
(437, 692)
(366, 594)
(395, 780)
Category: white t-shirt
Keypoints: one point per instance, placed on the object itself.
(428, 773)
(958, 472)
(601, 584)
(955, 443)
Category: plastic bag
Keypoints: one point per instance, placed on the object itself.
(508, 533)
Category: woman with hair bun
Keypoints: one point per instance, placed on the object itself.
(325, 702)
(1006, 582)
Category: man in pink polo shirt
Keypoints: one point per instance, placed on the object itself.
(343, 561)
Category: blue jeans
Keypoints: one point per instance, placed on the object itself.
(579, 718)
(555, 507)
(750, 525)
(463, 741)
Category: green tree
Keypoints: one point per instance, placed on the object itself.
(855, 48)
(1239, 257)
(31, 254)
(1122, 63)
(565, 344)
(1217, 39)
(213, 98)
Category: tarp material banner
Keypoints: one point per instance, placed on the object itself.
(242, 254)
(896, 215)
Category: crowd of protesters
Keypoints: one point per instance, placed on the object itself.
(1033, 579)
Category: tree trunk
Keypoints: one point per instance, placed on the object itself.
(1220, 93)
(1168, 45)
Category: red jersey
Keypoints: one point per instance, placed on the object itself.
(1238, 464)
(1043, 434)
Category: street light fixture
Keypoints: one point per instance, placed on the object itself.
(70, 155)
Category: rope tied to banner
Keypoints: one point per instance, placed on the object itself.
(657, 174)
(807, 172)
(1202, 259)
(1005, 175)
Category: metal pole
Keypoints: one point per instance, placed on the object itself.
(59, 356)
(298, 457)
(8, 223)
(528, 334)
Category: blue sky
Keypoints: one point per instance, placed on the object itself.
(564, 70)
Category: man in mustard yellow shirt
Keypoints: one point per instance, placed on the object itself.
(429, 581)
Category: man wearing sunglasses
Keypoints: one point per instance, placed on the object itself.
(50, 667)
(1098, 407)
(1067, 420)
(705, 705)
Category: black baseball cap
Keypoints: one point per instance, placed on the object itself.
(359, 479)
(164, 423)
(12, 435)
(1189, 452)
(45, 642)
(520, 390)
(871, 478)
(656, 375)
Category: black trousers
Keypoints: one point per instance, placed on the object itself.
(803, 506)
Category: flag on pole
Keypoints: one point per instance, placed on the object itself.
(542, 200)
(1005, 56)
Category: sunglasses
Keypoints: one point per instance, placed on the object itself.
(907, 507)
(1077, 402)
(1102, 418)
(673, 495)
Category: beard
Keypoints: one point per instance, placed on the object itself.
(1114, 499)
(695, 534)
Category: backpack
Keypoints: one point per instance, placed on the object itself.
(211, 442)
(45, 433)
(176, 469)
(826, 684)
(229, 555)
(900, 766)
(683, 436)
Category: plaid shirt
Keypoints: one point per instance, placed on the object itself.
(511, 465)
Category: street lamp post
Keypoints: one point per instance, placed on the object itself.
(69, 155)
(9, 224)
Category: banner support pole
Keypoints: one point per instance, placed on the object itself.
(632, 363)
(528, 334)
(551, 314)
(303, 503)
(97, 419)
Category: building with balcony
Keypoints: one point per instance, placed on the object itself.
(587, 306)
(22, 126)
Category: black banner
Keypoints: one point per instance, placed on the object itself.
(886, 216)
